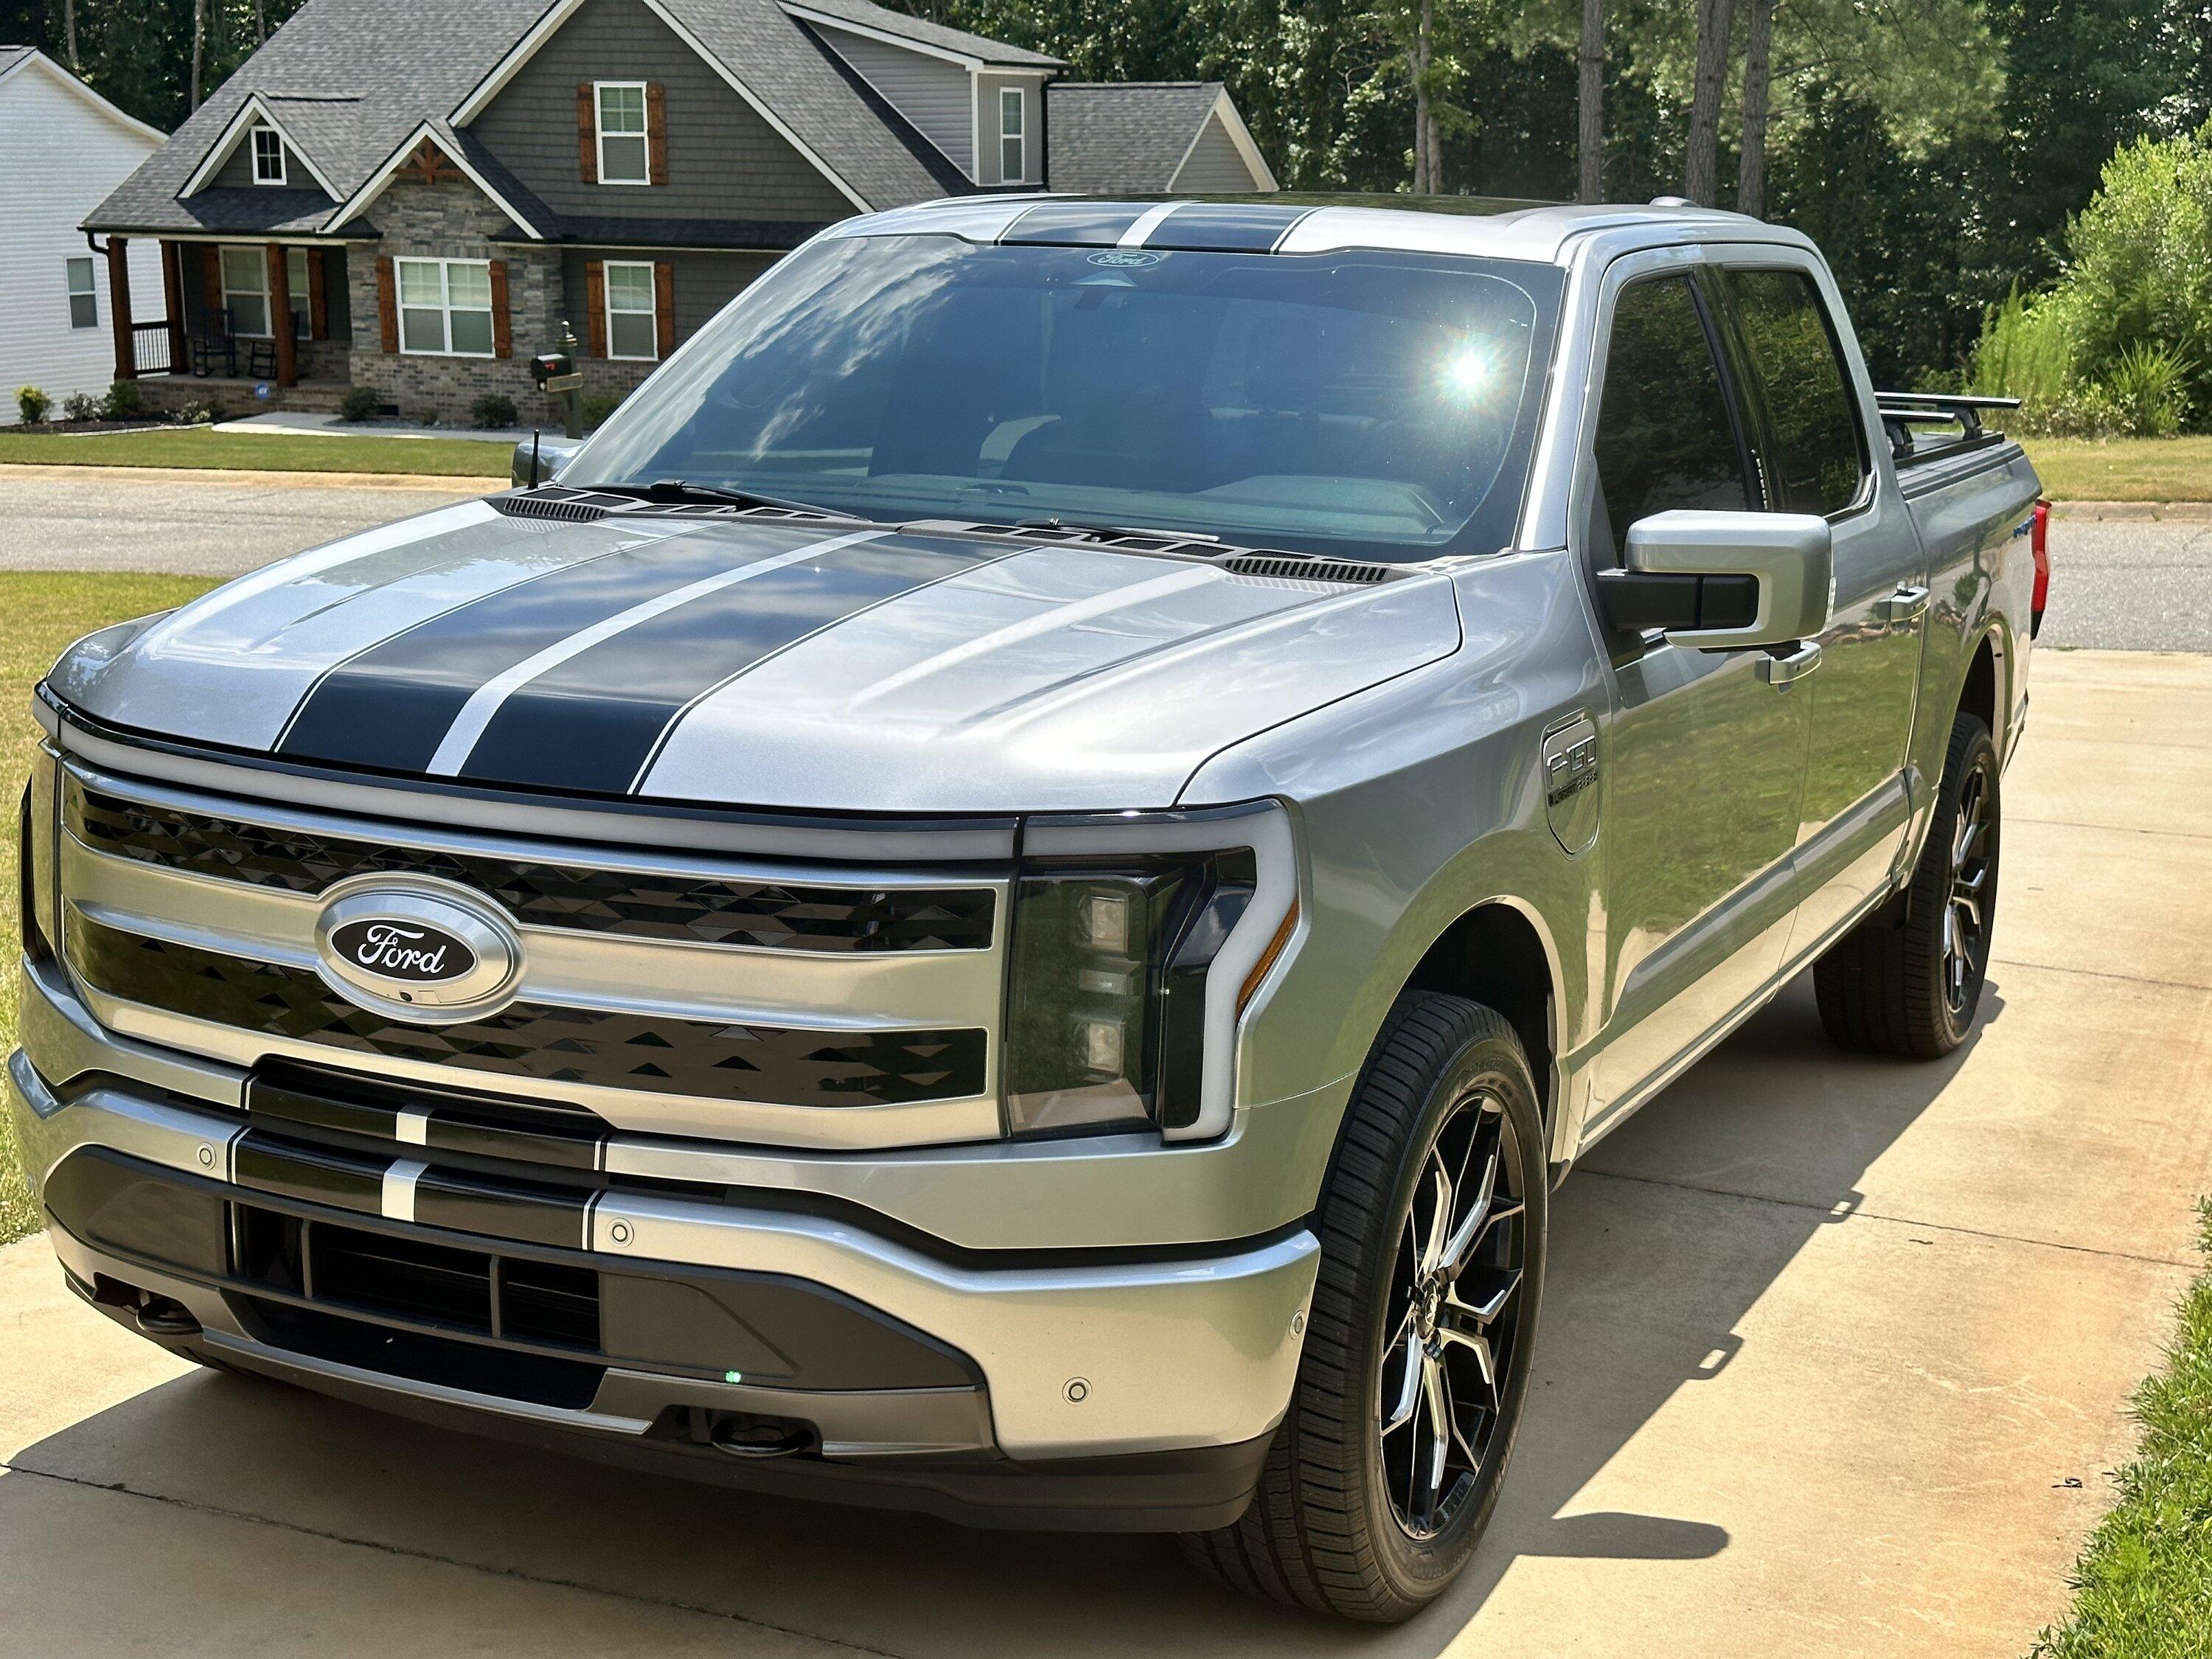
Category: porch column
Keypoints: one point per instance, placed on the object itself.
(173, 300)
(280, 316)
(119, 310)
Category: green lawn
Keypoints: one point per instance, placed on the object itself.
(201, 446)
(2143, 1586)
(44, 613)
(2124, 468)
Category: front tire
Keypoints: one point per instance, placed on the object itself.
(1908, 979)
(1410, 1388)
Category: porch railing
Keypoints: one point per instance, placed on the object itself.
(150, 347)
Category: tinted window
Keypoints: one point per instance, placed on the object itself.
(1799, 373)
(1384, 401)
(1665, 438)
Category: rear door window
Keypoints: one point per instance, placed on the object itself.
(1797, 374)
(1667, 433)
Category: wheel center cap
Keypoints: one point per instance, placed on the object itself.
(1431, 1304)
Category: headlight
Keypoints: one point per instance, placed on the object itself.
(1136, 941)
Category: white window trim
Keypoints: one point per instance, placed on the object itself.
(89, 291)
(1020, 135)
(445, 308)
(607, 283)
(261, 269)
(253, 153)
(600, 90)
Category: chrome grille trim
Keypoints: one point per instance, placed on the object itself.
(843, 994)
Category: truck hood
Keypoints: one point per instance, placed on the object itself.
(754, 662)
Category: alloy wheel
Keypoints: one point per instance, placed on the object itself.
(1451, 1317)
(1965, 910)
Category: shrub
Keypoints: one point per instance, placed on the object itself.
(32, 403)
(80, 406)
(597, 408)
(123, 401)
(360, 402)
(492, 409)
(196, 412)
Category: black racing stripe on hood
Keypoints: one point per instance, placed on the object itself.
(1226, 227)
(592, 722)
(390, 705)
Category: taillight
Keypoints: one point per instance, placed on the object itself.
(2039, 545)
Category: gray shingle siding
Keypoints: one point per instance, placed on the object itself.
(237, 173)
(704, 282)
(933, 93)
(988, 88)
(1215, 165)
(721, 154)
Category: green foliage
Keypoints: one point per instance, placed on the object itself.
(2143, 1585)
(2121, 343)
(80, 406)
(597, 408)
(32, 403)
(492, 409)
(139, 54)
(123, 401)
(359, 403)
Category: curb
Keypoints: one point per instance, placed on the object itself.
(2137, 512)
(430, 483)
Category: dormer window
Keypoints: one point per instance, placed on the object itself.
(625, 156)
(268, 156)
(1013, 159)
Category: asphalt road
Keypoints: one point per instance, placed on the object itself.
(1834, 1360)
(2130, 585)
(195, 523)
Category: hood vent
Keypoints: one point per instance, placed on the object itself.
(584, 505)
(1304, 567)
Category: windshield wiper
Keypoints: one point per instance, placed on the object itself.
(676, 490)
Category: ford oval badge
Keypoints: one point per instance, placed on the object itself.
(1124, 258)
(416, 949)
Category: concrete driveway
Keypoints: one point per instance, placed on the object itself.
(1835, 1359)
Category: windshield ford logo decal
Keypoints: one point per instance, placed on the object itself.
(1124, 258)
(416, 949)
(399, 950)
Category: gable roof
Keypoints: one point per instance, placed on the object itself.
(31, 59)
(868, 17)
(1133, 137)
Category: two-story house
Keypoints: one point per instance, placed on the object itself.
(414, 195)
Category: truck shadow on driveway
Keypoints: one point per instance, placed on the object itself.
(1680, 1223)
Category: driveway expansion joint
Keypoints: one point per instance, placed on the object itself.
(8, 1467)
(1829, 1213)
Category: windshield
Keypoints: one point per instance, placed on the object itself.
(1372, 403)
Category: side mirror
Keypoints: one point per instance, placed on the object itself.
(1723, 581)
(551, 455)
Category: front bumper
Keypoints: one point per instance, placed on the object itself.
(1120, 1389)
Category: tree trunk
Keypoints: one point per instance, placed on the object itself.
(199, 50)
(1751, 164)
(1425, 120)
(1701, 164)
(260, 23)
(1590, 133)
(68, 35)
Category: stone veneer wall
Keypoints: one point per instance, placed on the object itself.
(453, 221)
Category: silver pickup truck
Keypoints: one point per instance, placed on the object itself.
(1009, 893)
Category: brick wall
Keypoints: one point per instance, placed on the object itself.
(453, 221)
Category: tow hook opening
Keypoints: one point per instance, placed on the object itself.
(163, 1317)
(737, 1434)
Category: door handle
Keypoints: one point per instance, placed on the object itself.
(1905, 605)
(1783, 673)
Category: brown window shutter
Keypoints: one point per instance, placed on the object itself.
(387, 304)
(319, 299)
(211, 270)
(656, 132)
(595, 301)
(587, 134)
(502, 332)
(664, 309)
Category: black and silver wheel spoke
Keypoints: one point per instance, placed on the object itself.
(1450, 1327)
(1966, 923)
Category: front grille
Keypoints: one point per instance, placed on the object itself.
(611, 1048)
(762, 915)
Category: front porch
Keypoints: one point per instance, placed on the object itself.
(235, 317)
